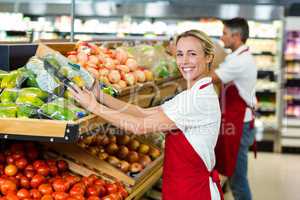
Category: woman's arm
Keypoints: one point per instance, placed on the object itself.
(119, 105)
(124, 107)
(153, 121)
(156, 121)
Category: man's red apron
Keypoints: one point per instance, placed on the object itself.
(233, 109)
(233, 112)
(185, 175)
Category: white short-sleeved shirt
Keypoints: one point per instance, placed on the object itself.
(196, 112)
(240, 68)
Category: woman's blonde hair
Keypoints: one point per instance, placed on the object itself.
(207, 43)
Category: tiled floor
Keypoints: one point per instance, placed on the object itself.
(274, 176)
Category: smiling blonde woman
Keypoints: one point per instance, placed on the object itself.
(191, 121)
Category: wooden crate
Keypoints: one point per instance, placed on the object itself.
(80, 156)
(47, 130)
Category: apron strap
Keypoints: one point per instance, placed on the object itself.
(204, 85)
(216, 179)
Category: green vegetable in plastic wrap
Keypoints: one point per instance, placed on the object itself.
(31, 79)
(3, 74)
(9, 96)
(109, 90)
(35, 92)
(8, 110)
(162, 70)
(31, 100)
(58, 112)
(26, 111)
(52, 61)
(14, 79)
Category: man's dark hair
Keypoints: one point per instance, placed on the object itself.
(239, 25)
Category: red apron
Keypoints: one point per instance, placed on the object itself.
(233, 109)
(233, 112)
(185, 175)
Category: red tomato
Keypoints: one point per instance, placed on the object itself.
(71, 179)
(32, 153)
(23, 193)
(62, 165)
(77, 190)
(59, 185)
(12, 196)
(92, 191)
(29, 173)
(43, 170)
(45, 189)
(18, 155)
(37, 180)
(99, 182)
(51, 162)
(123, 192)
(10, 159)
(53, 170)
(85, 181)
(18, 175)
(21, 163)
(38, 163)
(60, 195)
(111, 188)
(92, 178)
(29, 167)
(8, 186)
(102, 190)
(47, 197)
(93, 198)
(24, 182)
(10, 170)
(35, 194)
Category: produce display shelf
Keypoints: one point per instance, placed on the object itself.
(103, 168)
(47, 130)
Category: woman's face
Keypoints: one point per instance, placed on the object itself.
(191, 58)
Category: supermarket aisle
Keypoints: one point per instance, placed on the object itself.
(274, 176)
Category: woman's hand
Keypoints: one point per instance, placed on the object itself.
(84, 97)
(96, 89)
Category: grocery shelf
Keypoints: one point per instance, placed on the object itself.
(292, 122)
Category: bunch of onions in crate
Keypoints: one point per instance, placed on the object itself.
(111, 66)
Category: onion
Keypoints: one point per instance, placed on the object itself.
(122, 84)
(109, 63)
(93, 59)
(94, 72)
(132, 64)
(103, 72)
(73, 58)
(130, 79)
(123, 68)
(121, 55)
(140, 76)
(82, 57)
(104, 79)
(114, 76)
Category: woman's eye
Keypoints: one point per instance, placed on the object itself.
(179, 54)
(193, 54)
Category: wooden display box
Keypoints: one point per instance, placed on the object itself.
(47, 130)
(102, 168)
(140, 88)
